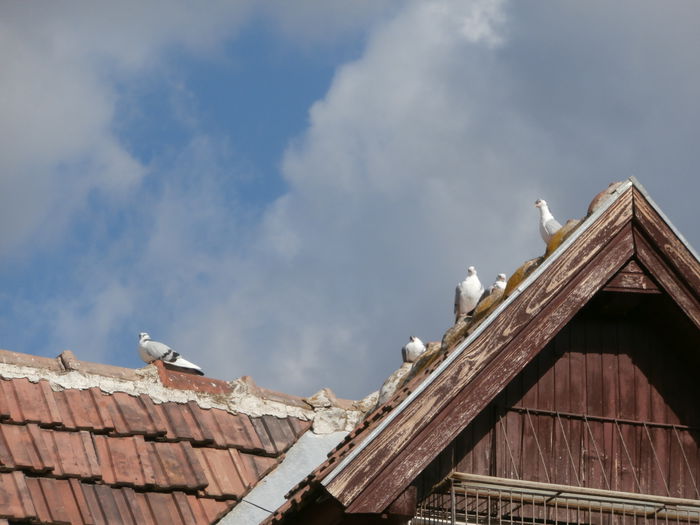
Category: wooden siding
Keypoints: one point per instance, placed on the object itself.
(632, 278)
(611, 403)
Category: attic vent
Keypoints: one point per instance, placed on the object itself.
(472, 499)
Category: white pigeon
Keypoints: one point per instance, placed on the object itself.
(412, 350)
(153, 350)
(467, 294)
(499, 284)
(548, 224)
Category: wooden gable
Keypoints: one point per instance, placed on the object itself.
(467, 413)
(609, 403)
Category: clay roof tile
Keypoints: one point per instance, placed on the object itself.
(86, 443)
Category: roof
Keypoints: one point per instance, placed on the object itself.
(371, 471)
(87, 443)
(310, 450)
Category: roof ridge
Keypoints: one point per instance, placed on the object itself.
(164, 385)
(606, 200)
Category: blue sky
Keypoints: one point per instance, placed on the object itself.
(290, 190)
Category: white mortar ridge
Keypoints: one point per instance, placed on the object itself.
(148, 382)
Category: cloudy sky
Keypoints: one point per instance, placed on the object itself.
(289, 190)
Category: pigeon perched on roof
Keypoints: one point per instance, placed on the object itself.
(491, 297)
(498, 284)
(412, 350)
(548, 224)
(467, 294)
(153, 350)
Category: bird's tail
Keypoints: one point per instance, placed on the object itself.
(184, 363)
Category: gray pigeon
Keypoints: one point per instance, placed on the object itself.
(467, 294)
(153, 350)
(412, 350)
(548, 224)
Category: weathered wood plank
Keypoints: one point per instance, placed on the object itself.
(562, 459)
(465, 444)
(609, 396)
(514, 433)
(529, 460)
(677, 289)
(405, 504)
(482, 447)
(674, 251)
(626, 437)
(510, 452)
(642, 409)
(577, 396)
(691, 454)
(662, 460)
(631, 282)
(545, 427)
(463, 403)
(676, 466)
(632, 267)
(597, 475)
(642, 388)
(594, 368)
(625, 381)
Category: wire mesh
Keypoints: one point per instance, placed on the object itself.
(465, 499)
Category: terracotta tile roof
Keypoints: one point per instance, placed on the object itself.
(84, 443)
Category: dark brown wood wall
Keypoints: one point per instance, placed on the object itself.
(612, 402)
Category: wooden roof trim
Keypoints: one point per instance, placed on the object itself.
(671, 284)
(646, 203)
(607, 242)
(666, 254)
(477, 332)
(633, 278)
(675, 251)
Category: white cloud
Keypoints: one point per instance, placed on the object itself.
(384, 213)
(314, 22)
(424, 156)
(63, 69)
(58, 99)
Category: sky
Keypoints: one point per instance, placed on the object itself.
(289, 190)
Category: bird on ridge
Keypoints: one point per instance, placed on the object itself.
(412, 350)
(499, 284)
(153, 350)
(467, 294)
(548, 224)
